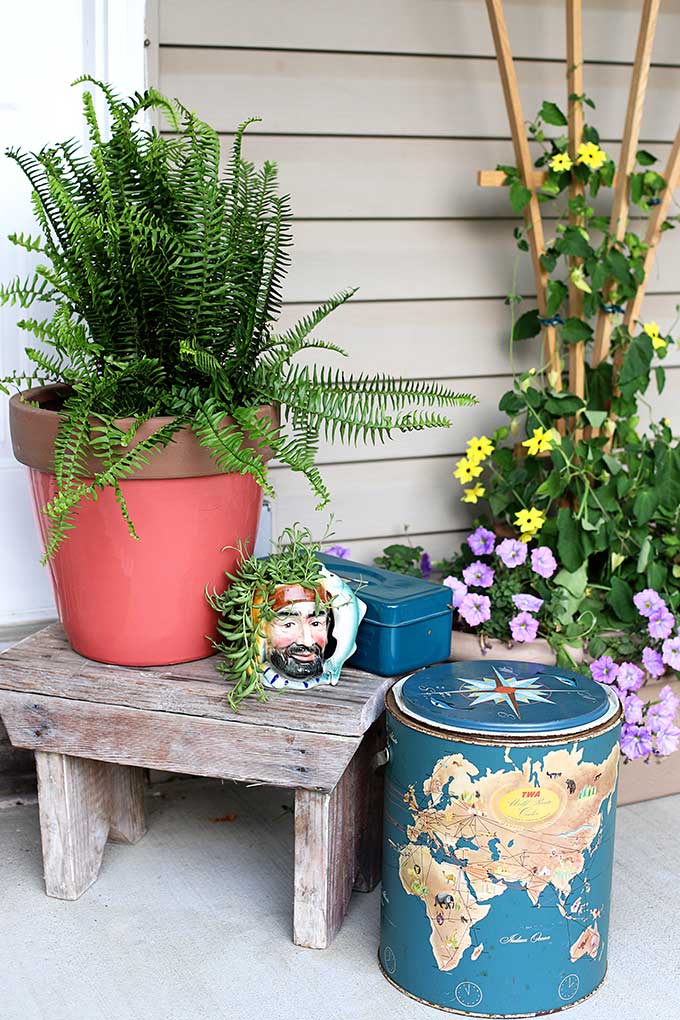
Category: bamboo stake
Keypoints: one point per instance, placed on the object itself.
(523, 158)
(497, 178)
(575, 117)
(631, 135)
(654, 226)
(652, 237)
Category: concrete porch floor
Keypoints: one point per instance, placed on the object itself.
(194, 922)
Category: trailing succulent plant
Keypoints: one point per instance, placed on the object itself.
(252, 587)
(164, 279)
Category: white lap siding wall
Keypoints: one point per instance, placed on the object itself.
(380, 112)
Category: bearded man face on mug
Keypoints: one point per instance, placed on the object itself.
(297, 637)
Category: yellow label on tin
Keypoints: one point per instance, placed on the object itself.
(529, 804)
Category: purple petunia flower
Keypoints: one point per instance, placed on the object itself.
(341, 551)
(482, 541)
(669, 699)
(632, 708)
(475, 609)
(543, 562)
(478, 575)
(524, 627)
(667, 739)
(425, 565)
(604, 670)
(621, 695)
(648, 602)
(458, 590)
(512, 553)
(653, 662)
(670, 651)
(661, 624)
(527, 603)
(636, 741)
(659, 715)
(629, 677)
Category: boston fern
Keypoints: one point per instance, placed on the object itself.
(164, 280)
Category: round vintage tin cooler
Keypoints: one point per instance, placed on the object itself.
(500, 802)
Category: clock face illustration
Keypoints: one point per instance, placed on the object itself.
(390, 960)
(568, 987)
(468, 994)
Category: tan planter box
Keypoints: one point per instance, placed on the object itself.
(638, 780)
(658, 778)
(469, 648)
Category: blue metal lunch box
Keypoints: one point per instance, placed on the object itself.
(500, 804)
(407, 623)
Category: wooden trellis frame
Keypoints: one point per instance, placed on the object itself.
(533, 179)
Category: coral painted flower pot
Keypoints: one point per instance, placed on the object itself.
(140, 603)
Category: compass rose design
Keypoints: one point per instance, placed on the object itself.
(504, 690)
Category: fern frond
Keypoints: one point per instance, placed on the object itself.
(25, 293)
(26, 241)
(51, 366)
(226, 443)
(166, 278)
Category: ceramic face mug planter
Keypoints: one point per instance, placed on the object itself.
(311, 633)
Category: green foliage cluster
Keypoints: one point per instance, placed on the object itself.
(246, 604)
(164, 278)
(561, 620)
(402, 559)
(610, 489)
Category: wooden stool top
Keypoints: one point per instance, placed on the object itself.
(178, 718)
(45, 663)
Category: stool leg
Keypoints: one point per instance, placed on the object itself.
(126, 792)
(73, 796)
(369, 791)
(328, 839)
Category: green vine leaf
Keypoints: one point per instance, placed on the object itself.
(551, 114)
(620, 598)
(576, 331)
(557, 293)
(519, 196)
(572, 242)
(644, 507)
(527, 326)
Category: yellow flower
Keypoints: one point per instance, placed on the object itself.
(652, 331)
(541, 441)
(478, 449)
(592, 155)
(529, 521)
(466, 470)
(473, 494)
(560, 162)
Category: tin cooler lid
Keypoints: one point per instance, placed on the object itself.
(391, 599)
(501, 697)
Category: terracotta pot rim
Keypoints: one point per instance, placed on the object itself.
(34, 429)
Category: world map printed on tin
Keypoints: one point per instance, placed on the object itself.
(530, 826)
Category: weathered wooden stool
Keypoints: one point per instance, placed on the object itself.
(94, 728)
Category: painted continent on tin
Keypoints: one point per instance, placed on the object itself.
(529, 826)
